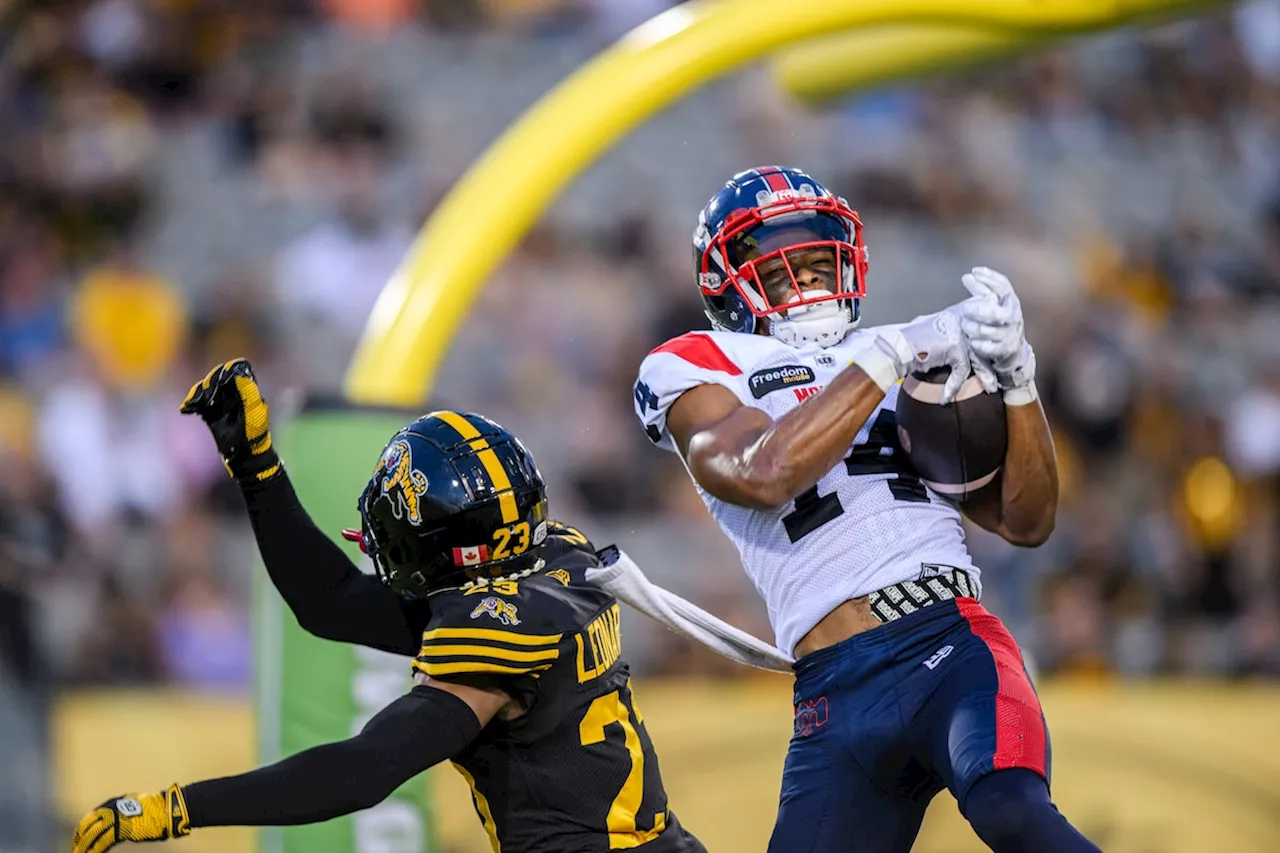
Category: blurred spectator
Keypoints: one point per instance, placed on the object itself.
(236, 322)
(327, 279)
(31, 304)
(370, 16)
(1253, 427)
(1075, 627)
(111, 452)
(120, 646)
(203, 635)
(129, 320)
(33, 542)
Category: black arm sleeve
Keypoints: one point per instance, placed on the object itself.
(330, 597)
(420, 729)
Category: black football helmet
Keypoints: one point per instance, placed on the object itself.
(454, 498)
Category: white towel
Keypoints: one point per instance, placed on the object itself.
(622, 578)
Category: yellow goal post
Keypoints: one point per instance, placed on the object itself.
(862, 42)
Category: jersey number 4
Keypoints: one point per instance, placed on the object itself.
(879, 454)
(611, 710)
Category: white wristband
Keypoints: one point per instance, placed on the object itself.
(1023, 396)
(883, 361)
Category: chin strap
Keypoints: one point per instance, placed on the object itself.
(825, 330)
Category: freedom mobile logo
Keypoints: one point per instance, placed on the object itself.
(764, 382)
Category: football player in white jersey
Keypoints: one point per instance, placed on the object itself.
(784, 418)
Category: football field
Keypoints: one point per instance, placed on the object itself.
(1140, 768)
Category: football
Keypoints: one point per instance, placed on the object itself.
(956, 449)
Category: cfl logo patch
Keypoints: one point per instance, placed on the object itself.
(938, 656)
(810, 716)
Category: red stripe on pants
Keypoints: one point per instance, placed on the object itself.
(1020, 733)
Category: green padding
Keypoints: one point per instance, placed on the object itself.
(312, 691)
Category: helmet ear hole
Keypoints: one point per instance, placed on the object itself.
(730, 313)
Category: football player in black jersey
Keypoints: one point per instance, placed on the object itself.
(519, 678)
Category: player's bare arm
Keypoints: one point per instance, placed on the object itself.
(327, 593)
(741, 455)
(1024, 509)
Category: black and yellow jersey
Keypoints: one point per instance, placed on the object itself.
(577, 773)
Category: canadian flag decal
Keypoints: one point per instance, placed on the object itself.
(472, 555)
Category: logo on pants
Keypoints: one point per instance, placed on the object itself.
(938, 656)
(811, 715)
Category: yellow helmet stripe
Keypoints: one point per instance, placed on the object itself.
(459, 423)
(489, 459)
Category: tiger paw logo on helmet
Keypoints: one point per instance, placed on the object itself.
(404, 484)
(503, 611)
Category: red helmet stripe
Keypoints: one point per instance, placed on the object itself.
(699, 350)
(777, 181)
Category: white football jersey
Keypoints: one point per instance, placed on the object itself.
(870, 522)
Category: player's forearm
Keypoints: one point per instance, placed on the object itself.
(416, 731)
(1029, 484)
(316, 785)
(799, 448)
(802, 446)
(328, 595)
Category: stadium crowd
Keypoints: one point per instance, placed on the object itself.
(180, 186)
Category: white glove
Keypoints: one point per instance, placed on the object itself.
(992, 324)
(933, 340)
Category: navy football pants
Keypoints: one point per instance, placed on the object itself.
(888, 718)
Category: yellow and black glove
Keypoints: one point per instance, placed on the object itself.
(231, 404)
(133, 817)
